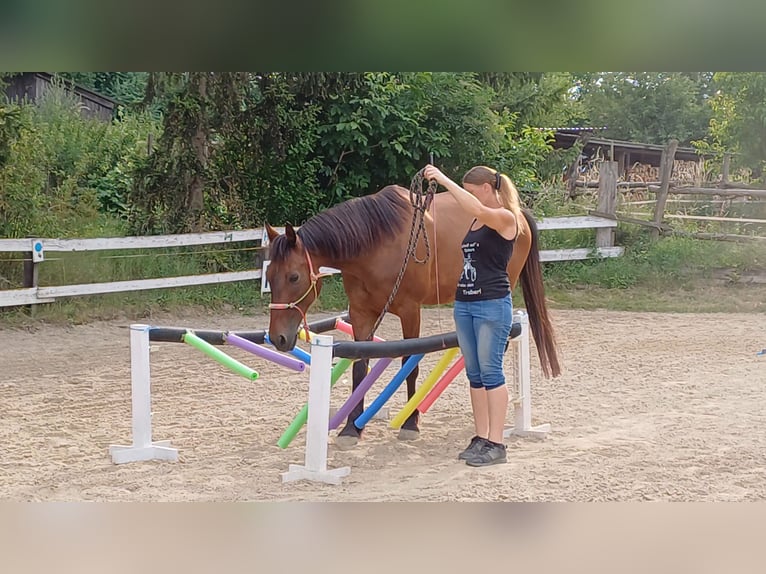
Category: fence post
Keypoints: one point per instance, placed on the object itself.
(725, 170)
(607, 201)
(666, 171)
(573, 172)
(699, 177)
(31, 271)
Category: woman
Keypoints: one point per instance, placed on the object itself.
(483, 309)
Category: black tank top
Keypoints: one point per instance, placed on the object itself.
(486, 254)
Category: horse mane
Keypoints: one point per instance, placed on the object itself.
(349, 229)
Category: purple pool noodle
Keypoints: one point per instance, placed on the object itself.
(376, 370)
(295, 351)
(265, 353)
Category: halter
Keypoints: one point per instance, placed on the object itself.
(313, 287)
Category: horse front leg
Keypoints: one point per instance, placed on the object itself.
(349, 435)
(410, 330)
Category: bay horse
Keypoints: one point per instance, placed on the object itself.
(366, 238)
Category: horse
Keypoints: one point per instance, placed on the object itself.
(367, 239)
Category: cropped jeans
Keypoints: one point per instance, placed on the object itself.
(482, 333)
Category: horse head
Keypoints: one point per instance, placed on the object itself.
(294, 283)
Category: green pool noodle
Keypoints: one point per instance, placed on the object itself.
(300, 420)
(220, 356)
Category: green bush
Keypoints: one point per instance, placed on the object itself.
(66, 175)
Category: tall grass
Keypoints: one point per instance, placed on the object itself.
(672, 274)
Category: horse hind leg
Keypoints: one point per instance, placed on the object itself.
(409, 429)
(410, 330)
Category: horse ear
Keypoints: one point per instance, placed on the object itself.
(271, 232)
(291, 237)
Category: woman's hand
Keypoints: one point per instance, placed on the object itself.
(432, 172)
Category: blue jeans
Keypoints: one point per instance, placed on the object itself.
(482, 332)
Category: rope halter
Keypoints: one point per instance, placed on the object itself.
(313, 287)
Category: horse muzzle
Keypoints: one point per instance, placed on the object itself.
(284, 343)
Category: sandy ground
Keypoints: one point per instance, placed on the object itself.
(650, 407)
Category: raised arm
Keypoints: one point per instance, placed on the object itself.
(498, 218)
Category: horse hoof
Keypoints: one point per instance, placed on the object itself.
(345, 442)
(408, 434)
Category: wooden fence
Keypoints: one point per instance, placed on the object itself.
(35, 250)
(666, 189)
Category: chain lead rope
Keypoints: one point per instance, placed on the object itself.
(421, 201)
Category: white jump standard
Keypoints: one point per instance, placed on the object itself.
(521, 389)
(315, 467)
(141, 395)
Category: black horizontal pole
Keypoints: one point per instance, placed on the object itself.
(175, 334)
(342, 349)
(402, 348)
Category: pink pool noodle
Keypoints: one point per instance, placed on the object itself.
(348, 328)
(439, 387)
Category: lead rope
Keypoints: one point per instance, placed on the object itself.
(436, 265)
(420, 203)
(436, 270)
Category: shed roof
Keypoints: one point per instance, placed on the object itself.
(566, 138)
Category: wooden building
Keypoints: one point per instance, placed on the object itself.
(30, 86)
(628, 155)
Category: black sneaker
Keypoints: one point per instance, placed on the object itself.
(490, 453)
(473, 449)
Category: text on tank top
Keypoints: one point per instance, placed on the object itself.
(486, 254)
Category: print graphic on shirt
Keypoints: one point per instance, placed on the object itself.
(468, 278)
(469, 271)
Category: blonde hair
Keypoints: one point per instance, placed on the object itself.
(501, 183)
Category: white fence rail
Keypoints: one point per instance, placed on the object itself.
(116, 243)
(36, 248)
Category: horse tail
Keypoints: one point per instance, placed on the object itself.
(534, 297)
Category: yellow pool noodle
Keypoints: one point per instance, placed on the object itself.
(302, 337)
(302, 334)
(427, 385)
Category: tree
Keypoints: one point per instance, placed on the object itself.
(238, 149)
(739, 117)
(10, 130)
(645, 106)
(128, 88)
(538, 99)
(170, 188)
(386, 130)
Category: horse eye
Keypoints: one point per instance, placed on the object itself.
(294, 277)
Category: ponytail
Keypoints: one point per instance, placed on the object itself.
(509, 196)
(501, 183)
